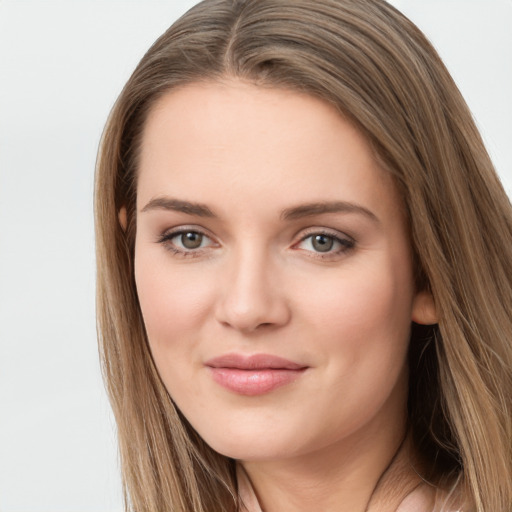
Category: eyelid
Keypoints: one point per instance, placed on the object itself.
(166, 237)
(347, 242)
(319, 230)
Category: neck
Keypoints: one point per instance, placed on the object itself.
(367, 480)
(397, 481)
(370, 470)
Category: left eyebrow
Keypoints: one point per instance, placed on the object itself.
(308, 210)
(177, 205)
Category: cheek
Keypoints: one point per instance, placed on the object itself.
(360, 320)
(361, 329)
(360, 299)
(174, 303)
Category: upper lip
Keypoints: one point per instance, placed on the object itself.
(253, 362)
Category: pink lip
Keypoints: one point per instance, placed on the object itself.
(253, 375)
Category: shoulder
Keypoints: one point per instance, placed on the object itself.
(426, 498)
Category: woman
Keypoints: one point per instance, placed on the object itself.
(304, 269)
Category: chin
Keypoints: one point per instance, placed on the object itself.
(252, 453)
(241, 446)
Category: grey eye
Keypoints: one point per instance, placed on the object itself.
(191, 240)
(325, 244)
(322, 243)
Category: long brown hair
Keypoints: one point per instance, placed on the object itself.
(378, 70)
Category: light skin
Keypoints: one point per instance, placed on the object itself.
(265, 226)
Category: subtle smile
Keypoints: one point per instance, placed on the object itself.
(253, 375)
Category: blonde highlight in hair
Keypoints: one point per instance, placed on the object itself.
(379, 71)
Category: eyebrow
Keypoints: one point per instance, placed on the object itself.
(167, 203)
(294, 213)
(309, 210)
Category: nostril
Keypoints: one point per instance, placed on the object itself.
(247, 305)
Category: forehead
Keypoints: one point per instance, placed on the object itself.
(233, 139)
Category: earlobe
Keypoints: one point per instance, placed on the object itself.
(424, 309)
(122, 217)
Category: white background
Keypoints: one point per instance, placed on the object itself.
(62, 64)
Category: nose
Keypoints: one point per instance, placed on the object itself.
(251, 296)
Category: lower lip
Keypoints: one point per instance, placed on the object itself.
(254, 382)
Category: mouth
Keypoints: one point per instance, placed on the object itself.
(253, 375)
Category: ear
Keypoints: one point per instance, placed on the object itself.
(123, 218)
(424, 309)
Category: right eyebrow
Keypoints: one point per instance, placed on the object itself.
(310, 210)
(177, 205)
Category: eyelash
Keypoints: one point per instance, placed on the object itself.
(166, 240)
(345, 243)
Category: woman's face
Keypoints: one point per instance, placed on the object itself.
(274, 271)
